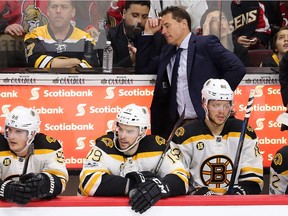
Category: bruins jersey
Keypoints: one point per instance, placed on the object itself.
(105, 167)
(210, 159)
(42, 47)
(47, 158)
(278, 183)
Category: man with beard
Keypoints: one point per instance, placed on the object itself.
(123, 37)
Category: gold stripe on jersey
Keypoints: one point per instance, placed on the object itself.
(7, 153)
(43, 151)
(43, 62)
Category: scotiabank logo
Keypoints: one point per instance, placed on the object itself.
(135, 92)
(81, 110)
(5, 110)
(260, 124)
(34, 94)
(110, 92)
(80, 143)
(258, 91)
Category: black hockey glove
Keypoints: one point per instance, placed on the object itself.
(136, 178)
(42, 184)
(14, 191)
(203, 191)
(238, 190)
(147, 194)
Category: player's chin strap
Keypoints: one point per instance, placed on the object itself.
(131, 146)
(26, 147)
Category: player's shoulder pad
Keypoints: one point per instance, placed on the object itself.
(43, 141)
(106, 143)
(152, 143)
(187, 131)
(235, 125)
(280, 160)
(4, 146)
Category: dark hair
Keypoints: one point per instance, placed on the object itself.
(178, 14)
(142, 3)
(273, 45)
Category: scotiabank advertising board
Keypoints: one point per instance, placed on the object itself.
(76, 109)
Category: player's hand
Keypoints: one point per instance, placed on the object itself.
(136, 178)
(238, 190)
(42, 185)
(204, 191)
(147, 194)
(14, 191)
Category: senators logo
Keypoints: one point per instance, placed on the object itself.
(32, 16)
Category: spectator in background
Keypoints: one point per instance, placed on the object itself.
(251, 26)
(278, 182)
(208, 147)
(10, 17)
(213, 22)
(59, 44)
(124, 36)
(194, 7)
(32, 164)
(283, 80)
(202, 57)
(279, 46)
(123, 163)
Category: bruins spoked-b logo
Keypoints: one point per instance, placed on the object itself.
(216, 171)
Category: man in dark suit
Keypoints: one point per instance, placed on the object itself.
(202, 57)
(123, 37)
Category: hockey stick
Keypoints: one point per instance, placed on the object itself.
(241, 140)
(30, 152)
(178, 123)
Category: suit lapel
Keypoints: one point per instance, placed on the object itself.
(190, 55)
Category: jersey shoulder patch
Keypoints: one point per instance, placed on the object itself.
(43, 141)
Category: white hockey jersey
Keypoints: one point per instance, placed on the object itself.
(278, 183)
(210, 159)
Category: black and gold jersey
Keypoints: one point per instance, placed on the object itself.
(210, 158)
(278, 183)
(41, 47)
(47, 157)
(105, 167)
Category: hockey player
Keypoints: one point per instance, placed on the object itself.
(32, 164)
(59, 44)
(123, 163)
(208, 147)
(278, 183)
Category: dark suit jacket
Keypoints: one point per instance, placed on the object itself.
(119, 43)
(283, 79)
(207, 58)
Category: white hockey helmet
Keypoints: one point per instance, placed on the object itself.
(134, 115)
(216, 89)
(23, 118)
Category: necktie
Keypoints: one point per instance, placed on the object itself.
(173, 88)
